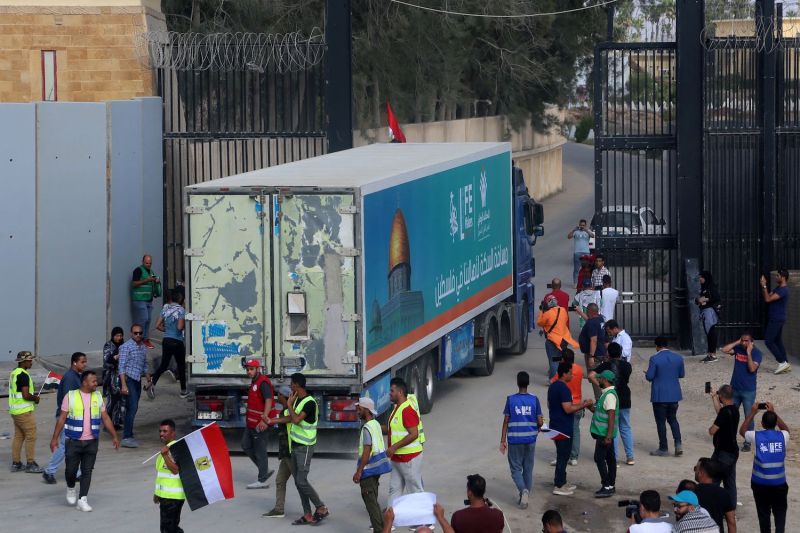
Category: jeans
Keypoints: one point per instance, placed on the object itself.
(552, 351)
(520, 460)
(369, 493)
(177, 349)
(745, 398)
(141, 315)
(81, 455)
(170, 511)
(666, 412)
(625, 433)
(576, 266)
(24, 432)
(254, 444)
(771, 500)
(132, 405)
(606, 461)
(773, 340)
(301, 465)
(563, 449)
(406, 478)
(284, 473)
(576, 435)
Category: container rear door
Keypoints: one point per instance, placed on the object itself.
(314, 299)
(227, 271)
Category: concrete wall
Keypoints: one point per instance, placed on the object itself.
(81, 203)
(96, 57)
(791, 331)
(538, 154)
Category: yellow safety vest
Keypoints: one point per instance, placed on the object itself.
(168, 485)
(73, 426)
(415, 404)
(399, 431)
(18, 405)
(303, 433)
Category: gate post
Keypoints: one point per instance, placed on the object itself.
(766, 9)
(338, 75)
(690, 18)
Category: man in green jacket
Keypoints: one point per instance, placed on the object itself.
(604, 429)
(145, 286)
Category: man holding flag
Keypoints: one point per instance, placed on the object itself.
(21, 405)
(71, 380)
(168, 495)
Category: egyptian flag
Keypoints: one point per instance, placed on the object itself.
(52, 380)
(552, 434)
(205, 466)
(395, 133)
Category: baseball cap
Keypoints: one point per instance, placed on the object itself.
(607, 374)
(367, 403)
(587, 282)
(24, 355)
(253, 363)
(685, 496)
(285, 390)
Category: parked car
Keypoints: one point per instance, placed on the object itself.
(619, 220)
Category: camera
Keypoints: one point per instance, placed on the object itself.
(762, 406)
(572, 307)
(631, 509)
(549, 285)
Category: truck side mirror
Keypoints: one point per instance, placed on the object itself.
(536, 212)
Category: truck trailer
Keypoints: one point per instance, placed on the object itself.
(410, 260)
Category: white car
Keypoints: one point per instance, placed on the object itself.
(619, 220)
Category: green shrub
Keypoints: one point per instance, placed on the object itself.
(583, 128)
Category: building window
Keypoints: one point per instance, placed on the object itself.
(49, 72)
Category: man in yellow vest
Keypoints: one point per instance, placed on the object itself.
(405, 442)
(372, 461)
(82, 413)
(22, 403)
(168, 495)
(284, 453)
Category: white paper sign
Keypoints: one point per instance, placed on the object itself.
(414, 509)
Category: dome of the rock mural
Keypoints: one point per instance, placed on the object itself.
(399, 250)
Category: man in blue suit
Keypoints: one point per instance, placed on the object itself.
(664, 372)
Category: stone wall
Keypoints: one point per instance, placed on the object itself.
(94, 43)
(538, 154)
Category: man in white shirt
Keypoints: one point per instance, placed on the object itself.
(615, 333)
(650, 513)
(607, 296)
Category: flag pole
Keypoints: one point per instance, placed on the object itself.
(180, 439)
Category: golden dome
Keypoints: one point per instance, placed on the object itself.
(399, 251)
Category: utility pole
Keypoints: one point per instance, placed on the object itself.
(339, 75)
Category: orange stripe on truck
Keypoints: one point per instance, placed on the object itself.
(381, 355)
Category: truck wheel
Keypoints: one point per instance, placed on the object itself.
(426, 386)
(521, 346)
(491, 352)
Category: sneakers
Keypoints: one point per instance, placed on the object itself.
(172, 375)
(629, 461)
(564, 490)
(83, 505)
(523, 499)
(678, 452)
(605, 492)
(746, 447)
(148, 344)
(17, 467)
(573, 462)
(274, 514)
(72, 495)
(710, 359)
(50, 479)
(554, 462)
(33, 468)
(258, 485)
(184, 394)
(660, 453)
(129, 443)
(783, 368)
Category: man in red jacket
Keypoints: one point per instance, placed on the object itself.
(259, 405)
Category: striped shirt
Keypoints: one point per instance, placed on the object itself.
(132, 360)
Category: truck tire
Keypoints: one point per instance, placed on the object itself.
(521, 346)
(491, 352)
(426, 386)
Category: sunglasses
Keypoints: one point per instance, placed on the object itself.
(138, 332)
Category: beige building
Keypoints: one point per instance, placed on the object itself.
(74, 50)
(746, 27)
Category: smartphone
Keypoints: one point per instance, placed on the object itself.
(762, 406)
(549, 285)
(708, 387)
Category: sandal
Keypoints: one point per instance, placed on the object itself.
(320, 516)
(303, 521)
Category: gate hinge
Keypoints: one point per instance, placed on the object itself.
(193, 252)
(351, 317)
(348, 252)
(196, 359)
(194, 210)
(348, 210)
(192, 317)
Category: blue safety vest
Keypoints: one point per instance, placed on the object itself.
(768, 461)
(522, 425)
(378, 461)
(73, 427)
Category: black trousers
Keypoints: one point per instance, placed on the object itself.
(170, 515)
(771, 500)
(712, 339)
(80, 454)
(606, 461)
(177, 349)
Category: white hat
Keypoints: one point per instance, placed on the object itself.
(367, 403)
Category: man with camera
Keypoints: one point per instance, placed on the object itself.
(555, 328)
(478, 517)
(645, 515)
(580, 237)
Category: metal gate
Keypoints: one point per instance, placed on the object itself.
(219, 122)
(635, 220)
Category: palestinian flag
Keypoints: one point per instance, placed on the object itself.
(395, 133)
(52, 380)
(205, 466)
(552, 434)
